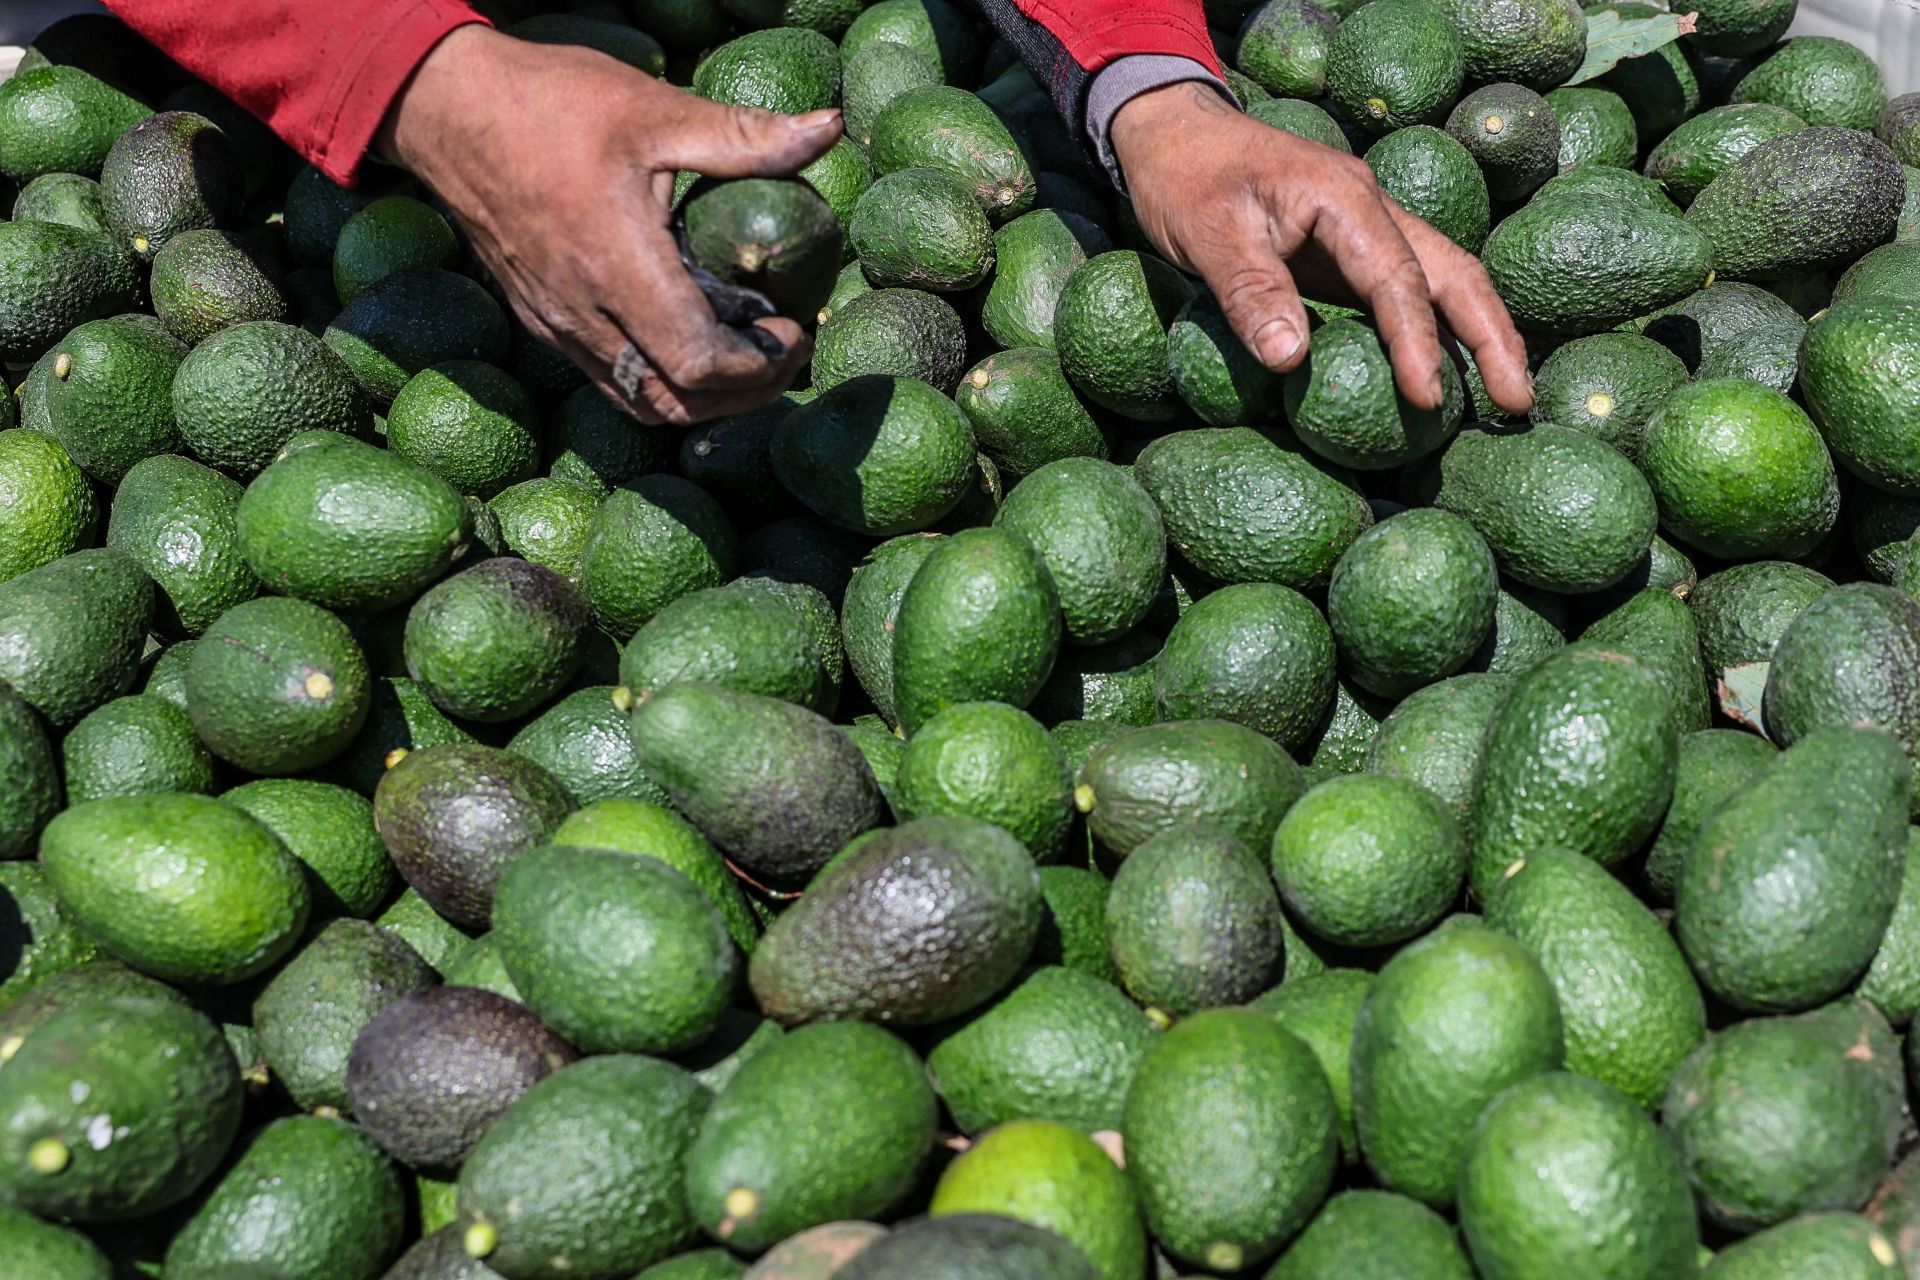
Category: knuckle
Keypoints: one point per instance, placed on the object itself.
(1247, 287)
(686, 364)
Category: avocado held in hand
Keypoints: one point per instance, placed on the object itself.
(768, 234)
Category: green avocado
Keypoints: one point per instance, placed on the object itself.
(830, 1122)
(1193, 922)
(172, 172)
(1536, 790)
(1232, 1137)
(1343, 403)
(953, 131)
(496, 641)
(1587, 518)
(1630, 1008)
(309, 1015)
(1825, 1086)
(529, 1207)
(178, 520)
(1452, 1021)
(991, 761)
(1827, 819)
(1700, 149)
(619, 954)
(310, 1196)
(61, 119)
(245, 391)
(1111, 330)
(52, 278)
(1395, 66)
(1822, 80)
(1063, 1045)
(158, 1067)
(1526, 1207)
(1153, 781)
(905, 333)
(277, 686)
(775, 787)
(71, 632)
(1411, 600)
(1256, 653)
(1034, 256)
(1607, 385)
(1863, 413)
(205, 280)
(1432, 176)
(876, 455)
(980, 620)
(109, 401)
(119, 865)
(1222, 492)
(1554, 283)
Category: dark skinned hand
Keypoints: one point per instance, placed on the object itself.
(1264, 215)
(559, 163)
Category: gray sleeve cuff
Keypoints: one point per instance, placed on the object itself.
(1123, 80)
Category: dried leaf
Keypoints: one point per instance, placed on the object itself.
(1611, 38)
(1739, 691)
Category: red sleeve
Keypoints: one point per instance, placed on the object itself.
(320, 73)
(1096, 32)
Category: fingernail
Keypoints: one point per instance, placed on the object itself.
(1438, 385)
(814, 121)
(1276, 342)
(768, 345)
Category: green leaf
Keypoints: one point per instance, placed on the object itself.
(1611, 38)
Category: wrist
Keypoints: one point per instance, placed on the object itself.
(1160, 114)
(441, 95)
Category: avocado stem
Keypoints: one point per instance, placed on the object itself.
(48, 1156)
(480, 1239)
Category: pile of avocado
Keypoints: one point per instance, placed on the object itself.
(1047, 799)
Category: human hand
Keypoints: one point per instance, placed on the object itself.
(1262, 214)
(559, 163)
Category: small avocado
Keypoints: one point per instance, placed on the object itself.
(498, 640)
(431, 1072)
(620, 954)
(310, 1196)
(205, 280)
(158, 1067)
(277, 686)
(1826, 1084)
(830, 1122)
(185, 887)
(1452, 1021)
(109, 401)
(306, 526)
(313, 1010)
(172, 172)
(454, 817)
(1513, 1185)
(919, 923)
(1229, 1086)
(776, 787)
(530, 1208)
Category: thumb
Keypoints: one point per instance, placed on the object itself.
(721, 141)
